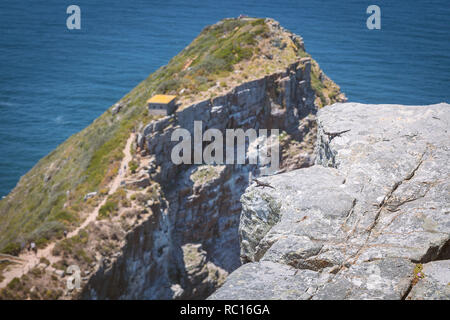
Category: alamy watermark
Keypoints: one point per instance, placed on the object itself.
(74, 20)
(374, 20)
(256, 147)
(74, 280)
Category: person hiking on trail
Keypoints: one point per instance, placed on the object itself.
(33, 247)
(65, 233)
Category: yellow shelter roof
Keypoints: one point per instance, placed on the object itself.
(161, 98)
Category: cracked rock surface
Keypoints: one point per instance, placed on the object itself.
(357, 223)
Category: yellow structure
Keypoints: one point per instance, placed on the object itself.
(161, 104)
(161, 98)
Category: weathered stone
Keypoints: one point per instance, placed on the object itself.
(116, 108)
(201, 276)
(140, 183)
(140, 141)
(260, 211)
(59, 273)
(90, 195)
(388, 278)
(375, 204)
(177, 291)
(42, 265)
(268, 280)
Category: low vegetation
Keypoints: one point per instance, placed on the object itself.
(73, 247)
(12, 248)
(418, 273)
(205, 173)
(36, 285)
(3, 266)
(113, 203)
(133, 166)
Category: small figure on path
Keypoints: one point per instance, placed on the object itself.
(33, 247)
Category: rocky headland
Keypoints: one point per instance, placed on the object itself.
(358, 209)
(141, 227)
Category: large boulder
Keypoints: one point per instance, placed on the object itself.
(358, 223)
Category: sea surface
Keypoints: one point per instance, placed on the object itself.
(55, 81)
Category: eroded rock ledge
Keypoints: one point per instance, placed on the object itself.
(189, 243)
(369, 221)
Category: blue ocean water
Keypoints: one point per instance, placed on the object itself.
(54, 82)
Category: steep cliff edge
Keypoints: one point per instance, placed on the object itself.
(194, 243)
(369, 221)
(168, 231)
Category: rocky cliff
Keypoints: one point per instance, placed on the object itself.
(370, 220)
(191, 243)
(138, 225)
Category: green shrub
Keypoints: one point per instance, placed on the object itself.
(211, 64)
(81, 255)
(258, 22)
(107, 209)
(46, 231)
(65, 216)
(133, 166)
(35, 295)
(3, 266)
(171, 85)
(15, 284)
(68, 245)
(6, 294)
(51, 294)
(12, 248)
(60, 265)
(36, 272)
(103, 192)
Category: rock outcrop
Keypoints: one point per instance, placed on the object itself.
(362, 221)
(190, 243)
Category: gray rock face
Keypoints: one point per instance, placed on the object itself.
(267, 280)
(202, 276)
(355, 225)
(118, 107)
(187, 247)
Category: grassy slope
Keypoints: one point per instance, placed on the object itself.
(49, 198)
